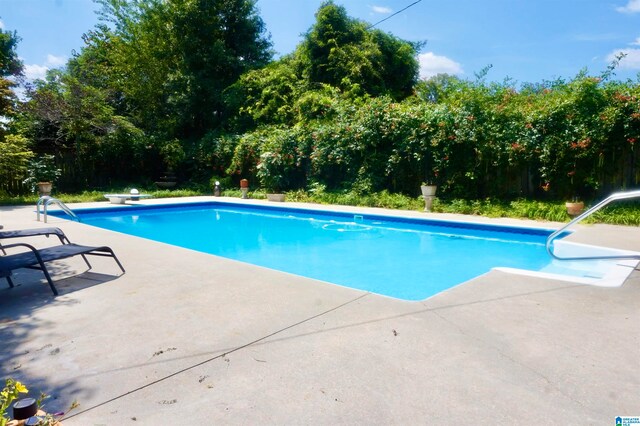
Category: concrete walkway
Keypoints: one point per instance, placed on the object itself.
(188, 338)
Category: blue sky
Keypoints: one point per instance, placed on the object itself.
(525, 40)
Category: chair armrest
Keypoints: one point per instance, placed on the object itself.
(29, 246)
(9, 265)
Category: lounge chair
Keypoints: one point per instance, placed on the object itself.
(32, 233)
(34, 258)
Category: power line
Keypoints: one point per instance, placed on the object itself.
(394, 14)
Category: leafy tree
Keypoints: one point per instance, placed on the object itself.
(266, 95)
(97, 66)
(217, 42)
(10, 67)
(14, 158)
(176, 57)
(10, 64)
(75, 122)
(345, 53)
(339, 59)
(436, 89)
(149, 81)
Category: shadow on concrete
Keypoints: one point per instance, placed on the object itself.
(18, 306)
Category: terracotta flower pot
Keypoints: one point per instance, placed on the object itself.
(574, 208)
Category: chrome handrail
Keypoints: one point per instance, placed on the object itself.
(613, 197)
(45, 200)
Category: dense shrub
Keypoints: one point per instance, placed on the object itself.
(556, 141)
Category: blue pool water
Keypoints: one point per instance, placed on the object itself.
(409, 259)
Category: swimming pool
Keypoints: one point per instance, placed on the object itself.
(405, 258)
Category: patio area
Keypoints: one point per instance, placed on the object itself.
(189, 338)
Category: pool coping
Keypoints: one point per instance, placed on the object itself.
(615, 276)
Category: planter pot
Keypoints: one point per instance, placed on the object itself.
(244, 183)
(39, 415)
(275, 197)
(163, 184)
(428, 190)
(574, 208)
(44, 188)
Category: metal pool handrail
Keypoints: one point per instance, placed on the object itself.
(613, 197)
(46, 200)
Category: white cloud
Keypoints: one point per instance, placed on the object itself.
(55, 61)
(33, 72)
(381, 9)
(632, 7)
(636, 42)
(630, 62)
(1, 25)
(431, 64)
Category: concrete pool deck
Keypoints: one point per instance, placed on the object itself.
(188, 338)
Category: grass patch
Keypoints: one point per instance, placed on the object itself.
(621, 213)
(91, 196)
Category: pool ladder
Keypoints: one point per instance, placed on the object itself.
(45, 200)
(613, 197)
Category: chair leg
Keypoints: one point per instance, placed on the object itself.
(86, 261)
(117, 261)
(10, 281)
(49, 280)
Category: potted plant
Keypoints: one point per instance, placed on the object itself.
(578, 184)
(42, 174)
(244, 188)
(272, 175)
(22, 408)
(428, 189)
(429, 186)
(574, 207)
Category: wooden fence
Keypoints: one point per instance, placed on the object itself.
(14, 187)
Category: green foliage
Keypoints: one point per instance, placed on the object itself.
(10, 66)
(174, 59)
(8, 394)
(344, 53)
(187, 84)
(172, 153)
(277, 155)
(340, 59)
(14, 157)
(12, 391)
(152, 71)
(42, 169)
(477, 140)
(266, 95)
(210, 156)
(76, 123)
(619, 214)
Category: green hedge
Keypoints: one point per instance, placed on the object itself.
(554, 141)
